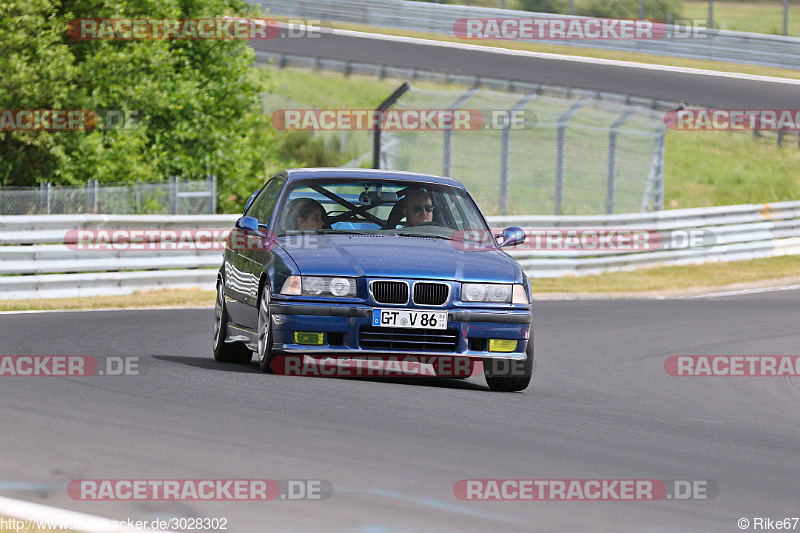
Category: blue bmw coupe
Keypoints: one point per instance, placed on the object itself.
(345, 263)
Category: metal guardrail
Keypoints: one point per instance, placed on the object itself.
(35, 262)
(716, 45)
(37, 259)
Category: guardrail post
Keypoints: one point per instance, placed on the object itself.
(447, 154)
(95, 196)
(710, 23)
(785, 17)
(655, 181)
(611, 186)
(561, 164)
(173, 195)
(138, 197)
(48, 197)
(212, 184)
(505, 152)
(658, 203)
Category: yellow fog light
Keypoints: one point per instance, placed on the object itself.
(308, 337)
(502, 345)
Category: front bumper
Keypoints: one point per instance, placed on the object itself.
(343, 327)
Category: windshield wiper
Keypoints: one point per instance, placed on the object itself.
(339, 231)
(423, 235)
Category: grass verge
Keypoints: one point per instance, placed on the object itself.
(690, 278)
(756, 17)
(166, 298)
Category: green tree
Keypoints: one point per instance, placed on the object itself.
(196, 100)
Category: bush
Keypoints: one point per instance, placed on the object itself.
(543, 6)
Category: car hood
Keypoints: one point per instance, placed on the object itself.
(390, 256)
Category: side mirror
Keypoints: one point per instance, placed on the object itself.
(250, 200)
(512, 236)
(249, 224)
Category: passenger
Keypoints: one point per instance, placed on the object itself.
(304, 214)
(418, 208)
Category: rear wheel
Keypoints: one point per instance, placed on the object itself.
(265, 355)
(224, 352)
(509, 375)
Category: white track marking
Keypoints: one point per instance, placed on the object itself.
(26, 511)
(746, 291)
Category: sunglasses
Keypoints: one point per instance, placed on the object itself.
(421, 208)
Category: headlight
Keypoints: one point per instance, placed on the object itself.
(320, 286)
(485, 292)
(493, 293)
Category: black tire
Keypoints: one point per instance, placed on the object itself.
(234, 352)
(508, 375)
(264, 332)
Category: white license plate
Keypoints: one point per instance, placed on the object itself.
(400, 318)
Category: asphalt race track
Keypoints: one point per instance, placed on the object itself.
(722, 92)
(601, 406)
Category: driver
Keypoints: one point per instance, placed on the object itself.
(305, 214)
(418, 208)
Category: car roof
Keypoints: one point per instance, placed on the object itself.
(363, 173)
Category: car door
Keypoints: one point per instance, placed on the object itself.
(253, 255)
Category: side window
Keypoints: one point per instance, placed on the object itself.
(264, 203)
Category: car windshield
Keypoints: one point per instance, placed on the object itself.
(381, 207)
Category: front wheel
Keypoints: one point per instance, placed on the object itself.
(509, 375)
(224, 352)
(265, 355)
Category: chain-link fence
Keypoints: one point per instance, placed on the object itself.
(166, 197)
(354, 145)
(563, 155)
